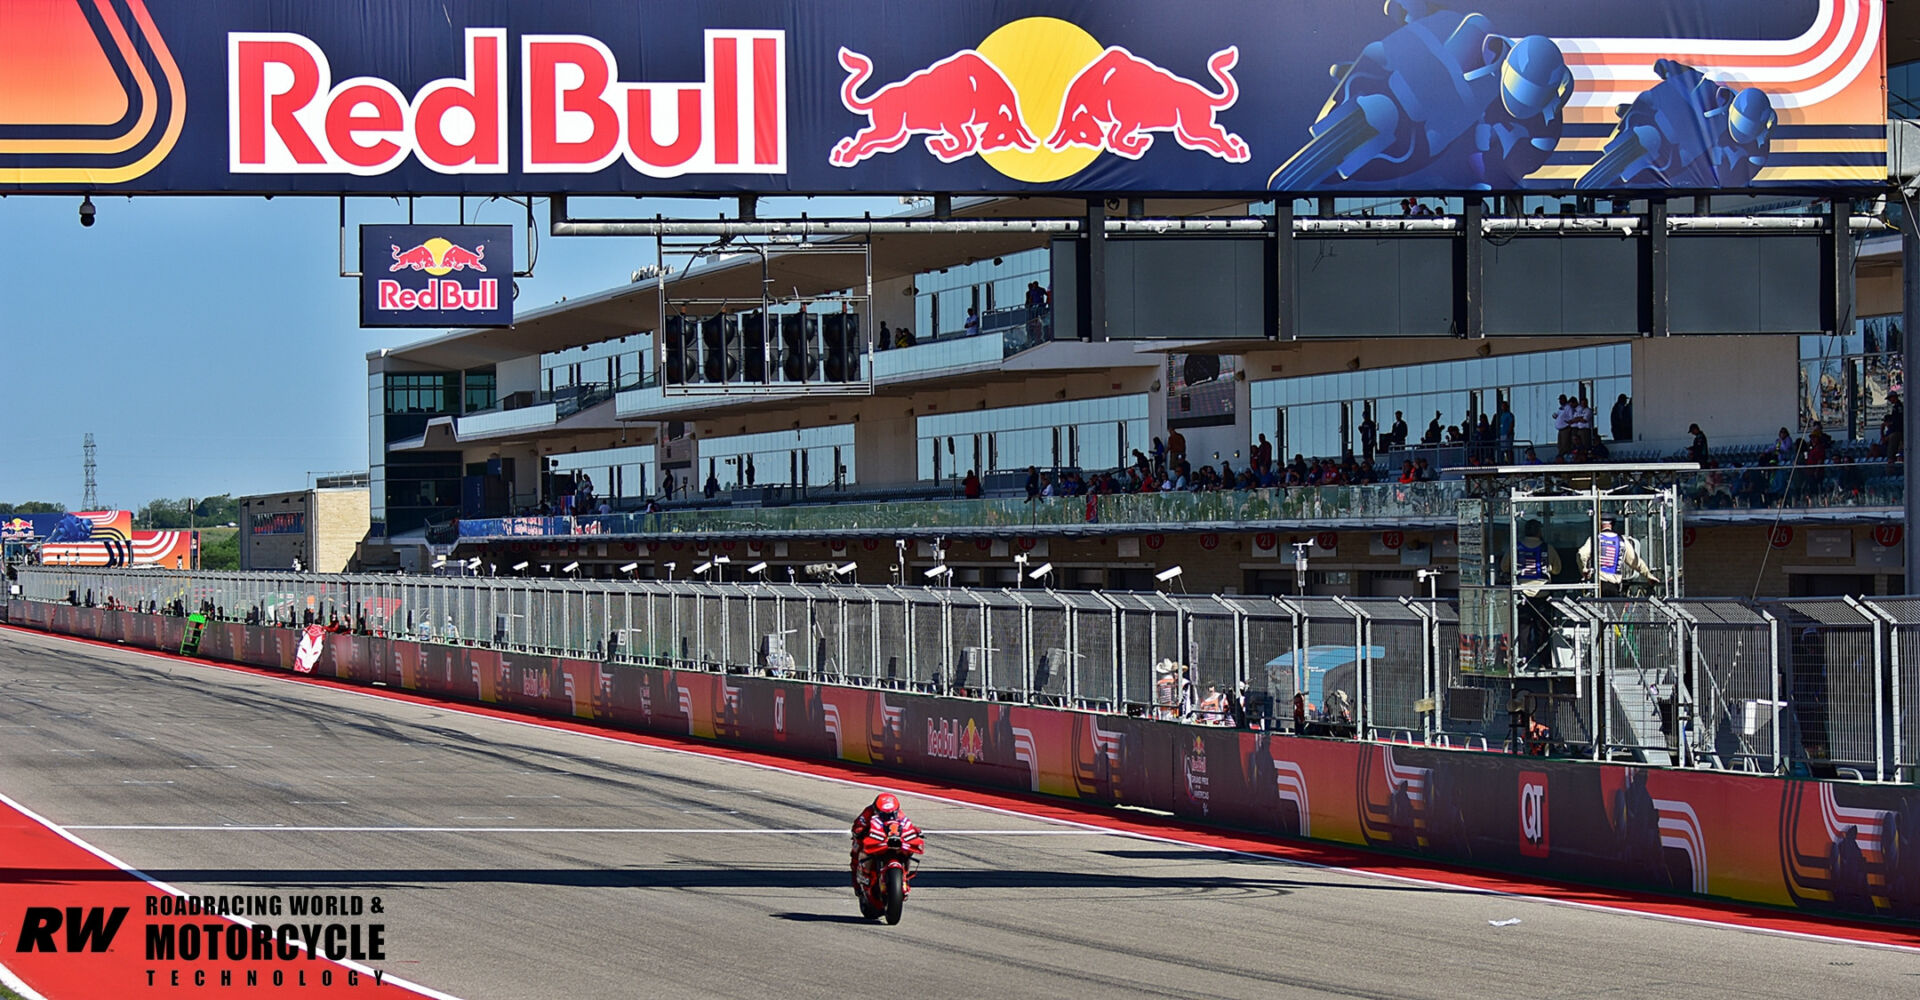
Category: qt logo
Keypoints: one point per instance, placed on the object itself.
(87, 930)
(1533, 814)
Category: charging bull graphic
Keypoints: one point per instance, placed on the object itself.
(963, 104)
(1117, 101)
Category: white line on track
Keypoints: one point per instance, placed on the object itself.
(699, 831)
(880, 785)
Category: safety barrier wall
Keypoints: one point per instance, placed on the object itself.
(1840, 848)
(1821, 688)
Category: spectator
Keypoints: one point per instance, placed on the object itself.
(1893, 428)
(885, 338)
(1036, 300)
(1622, 419)
(1581, 424)
(1819, 445)
(1783, 448)
(1046, 485)
(1407, 473)
(1140, 463)
(1262, 453)
(1563, 429)
(1369, 436)
(1176, 446)
(972, 326)
(1503, 432)
(1433, 430)
(1531, 459)
(1399, 429)
(1033, 483)
(713, 485)
(666, 486)
(970, 488)
(1159, 454)
(749, 470)
(1698, 450)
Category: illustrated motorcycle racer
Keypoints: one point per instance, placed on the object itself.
(885, 809)
(1443, 102)
(1686, 131)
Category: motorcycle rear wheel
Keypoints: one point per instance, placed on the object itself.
(896, 895)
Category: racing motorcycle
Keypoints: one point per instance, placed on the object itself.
(889, 850)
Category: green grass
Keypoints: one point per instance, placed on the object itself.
(7, 994)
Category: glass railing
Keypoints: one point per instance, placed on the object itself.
(1171, 511)
(1797, 487)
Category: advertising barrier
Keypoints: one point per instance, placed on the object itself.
(882, 96)
(1832, 847)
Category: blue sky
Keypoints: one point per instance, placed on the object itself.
(208, 344)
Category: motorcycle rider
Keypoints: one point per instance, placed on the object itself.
(885, 808)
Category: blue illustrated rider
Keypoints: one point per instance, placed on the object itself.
(1444, 102)
(1686, 132)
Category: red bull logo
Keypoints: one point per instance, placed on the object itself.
(287, 115)
(1040, 76)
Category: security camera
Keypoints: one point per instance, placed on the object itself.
(1170, 573)
(570, 567)
(630, 567)
(86, 211)
(843, 570)
(1041, 571)
(759, 567)
(520, 566)
(936, 572)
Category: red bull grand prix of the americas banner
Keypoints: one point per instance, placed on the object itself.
(1842, 848)
(851, 96)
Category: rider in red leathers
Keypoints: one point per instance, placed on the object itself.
(885, 808)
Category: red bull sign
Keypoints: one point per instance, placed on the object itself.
(436, 276)
(1218, 97)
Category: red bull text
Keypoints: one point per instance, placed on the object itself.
(439, 294)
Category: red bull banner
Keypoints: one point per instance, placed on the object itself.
(436, 276)
(1241, 97)
(1842, 848)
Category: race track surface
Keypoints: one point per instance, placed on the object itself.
(527, 862)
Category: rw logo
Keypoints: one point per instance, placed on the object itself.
(87, 930)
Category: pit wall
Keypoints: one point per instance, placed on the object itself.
(1833, 847)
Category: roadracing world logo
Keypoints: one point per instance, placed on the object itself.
(216, 942)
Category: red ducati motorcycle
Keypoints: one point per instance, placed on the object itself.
(889, 850)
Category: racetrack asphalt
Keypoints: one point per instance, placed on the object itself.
(521, 861)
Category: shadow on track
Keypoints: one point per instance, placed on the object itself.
(688, 877)
(820, 918)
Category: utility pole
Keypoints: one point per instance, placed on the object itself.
(90, 498)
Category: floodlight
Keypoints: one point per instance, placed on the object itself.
(520, 567)
(844, 570)
(759, 567)
(1170, 573)
(630, 567)
(703, 567)
(937, 572)
(570, 567)
(1042, 570)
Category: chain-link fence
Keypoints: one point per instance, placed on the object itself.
(1814, 686)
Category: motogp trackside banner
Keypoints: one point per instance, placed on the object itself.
(852, 96)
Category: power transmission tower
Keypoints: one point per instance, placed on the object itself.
(91, 500)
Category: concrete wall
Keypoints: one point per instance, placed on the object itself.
(336, 523)
(1740, 390)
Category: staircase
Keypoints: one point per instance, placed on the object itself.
(1633, 709)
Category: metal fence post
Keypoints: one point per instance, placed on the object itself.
(1880, 621)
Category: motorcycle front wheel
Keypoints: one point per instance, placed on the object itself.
(896, 895)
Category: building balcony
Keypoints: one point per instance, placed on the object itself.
(1839, 494)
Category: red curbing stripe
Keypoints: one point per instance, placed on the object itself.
(47, 867)
(1730, 915)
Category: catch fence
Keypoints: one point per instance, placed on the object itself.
(1798, 686)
